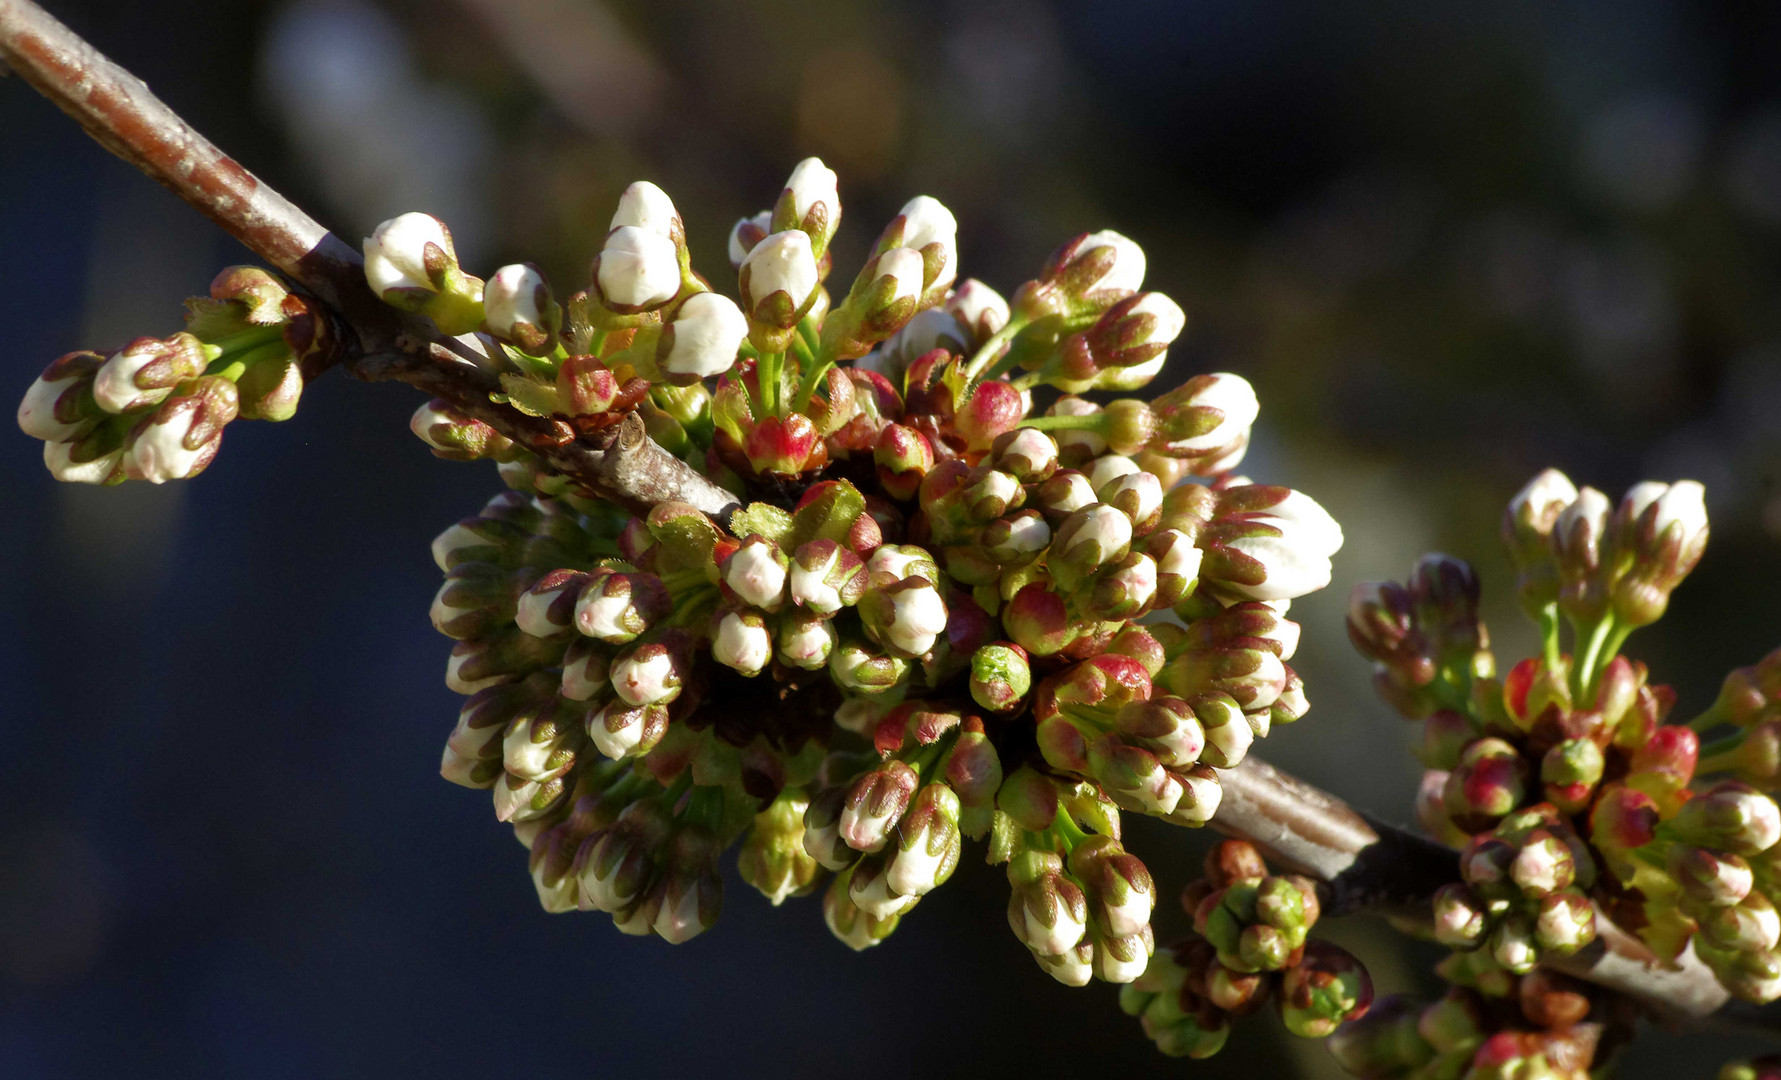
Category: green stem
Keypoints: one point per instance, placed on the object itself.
(984, 356)
(767, 374)
(1616, 639)
(1584, 677)
(1096, 421)
(1707, 721)
(1549, 634)
(248, 339)
(1722, 747)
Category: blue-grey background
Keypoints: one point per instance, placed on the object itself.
(1449, 243)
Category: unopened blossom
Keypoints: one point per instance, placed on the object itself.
(638, 268)
(645, 206)
(517, 306)
(704, 337)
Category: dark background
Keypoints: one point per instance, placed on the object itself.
(1450, 244)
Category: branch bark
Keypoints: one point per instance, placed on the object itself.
(124, 116)
(1364, 864)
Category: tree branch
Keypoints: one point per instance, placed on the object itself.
(118, 110)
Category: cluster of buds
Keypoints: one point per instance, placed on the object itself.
(1251, 948)
(920, 625)
(1562, 781)
(155, 409)
(1524, 892)
(1536, 1025)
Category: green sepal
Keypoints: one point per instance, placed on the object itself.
(765, 520)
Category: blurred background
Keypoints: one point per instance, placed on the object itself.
(1450, 244)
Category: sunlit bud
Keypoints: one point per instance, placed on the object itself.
(1729, 817)
(616, 607)
(1138, 494)
(906, 617)
(498, 658)
(1097, 267)
(746, 233)
(1124, 590)
(623, 731)
(870, 889)
(927, 847)
(1065, 493)
(740, 641)
(520, 800)
(1751, 925)
(992, 410)
(1177, 565)
(1117, 886)
(548, 607)
(1227, 730)
(651, 673)
(825, 577)
(1000, 676)
(1487, 784)
(779, 280)
(1544, 865)
(1565, 923)
(1120, 960)
(586, 671)
(144, 372)
(1664, 530)
(1126, 347)
(1076, 445)
(181, 437)
(1460, 917)
(895, 286)
(979, 308)
(1512, 944)
(1200, 796)
(1527, 529)
(891, 563)
(822, 830)
(1570, 771)
(1016, 540)
(637, 269)
(453, 435)
(1328, 987)
(1206, 419)
(930, 228)
(1710, 877)
(1166, 726)
(810, 202)
(1091, 537)
(411, 264)
(615, 867)
(1279, 552)
(517, 306)
(855, 929)
(903, 455)
(59, 404)
(646, 206)
(756, 574)
(875, 803)
(1028, 455)
(92, 460)
(1047, 911)
(857, 668)
(1107, 468)
(1624, 818)
(1753, 975)
(806, 640)
(703, 338)
(1577, 540)
(542, 747)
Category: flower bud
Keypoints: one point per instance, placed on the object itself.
(1460, 917)
(637, 269)
(1664, 530)
(411, 264)
(616, 607)
(1028, 455)
(875, 803)
(703, 339)
(652, 673)
(517, 307)
(740, 641)
(690, 894)
(1324, 990)
(1097, 267)
(548, 607)
(622, 731)
(825, 577)
(927, 848)
(645, 206)
(1512, 944)
(1528, 524)
(756, 574)
(1710, 877)
(616, 867)
(1730, 817)
(929, 229)
(1279, 551)
(145, 371)
(772, 857)
(810, 202)
(181, 437)
(1000, 676)
(1565, 923)
(1577, 539)
(979, 308)
(746, 233)
(860, 670)
(59, 404)
(779, 280)
(855, 928)
(1047, 911)
(1117, 886)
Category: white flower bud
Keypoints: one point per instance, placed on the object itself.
(646, 676)
(904, 269)
(1079, 493)
(1121, 960)
(646, 206)
(1231, 395)
(526, 757)
(1683, 502)
(1110, 467)
(601, 616)
(926, 221)
(514, 304)
(396, 252)
(1139, 580)
(742, 643)
(1062, 936)
(746, 233)
(708, 329)
(757, 575)
(897, 560)
(37, 412)
(455, 679)
(114, 387)
(1127, 272)
(1101, 523)
(160, 453)
(807, 643)
(1028, 534)
(1180, 557)
(617, 741)
(1074, 967)
(782, 262)
(812, 182)
(1031, 445)
(918, 617)
(872, 893)
(811, 589)
(1549, 488)
(58, 459)
(979, 307)
(638, 268)
(1145, 494)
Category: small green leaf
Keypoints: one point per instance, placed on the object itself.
(531, 398)
(765, 520)
(685, 534)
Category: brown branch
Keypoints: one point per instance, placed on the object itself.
(118, 110)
